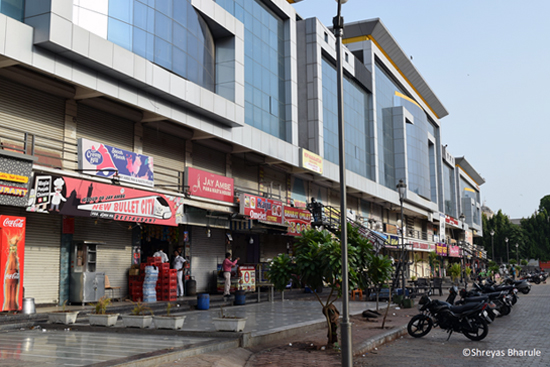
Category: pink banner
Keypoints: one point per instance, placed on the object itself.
(209, 185)
(454, 251)
(262, 209)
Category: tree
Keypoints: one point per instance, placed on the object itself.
(318, 262)
(379, 272)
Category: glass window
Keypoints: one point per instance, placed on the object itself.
(449, 190)
(120, 33)
(165, 7)
(121, 10)
(140, 15)
(163, 53)
(13, 9)
(163, 27)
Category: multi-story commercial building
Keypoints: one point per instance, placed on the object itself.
(209, 125)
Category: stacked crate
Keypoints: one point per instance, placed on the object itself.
(167, 285)
(136, 281)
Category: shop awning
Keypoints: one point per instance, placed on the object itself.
(254, 224)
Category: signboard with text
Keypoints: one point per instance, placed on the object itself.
(265, 210)
(311, 161)
(297, 219)
(441, 249)
(103, 160)
(454, 251)
(74, 197)
(209, 185)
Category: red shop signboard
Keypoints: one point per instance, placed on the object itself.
(265, 210)
(209, 185)
(12, 258)
(297, 219)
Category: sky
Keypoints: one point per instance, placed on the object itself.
(488, 62)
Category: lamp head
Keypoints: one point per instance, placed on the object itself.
(492, 232)
(401, 189)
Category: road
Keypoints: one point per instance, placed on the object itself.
(519, 339)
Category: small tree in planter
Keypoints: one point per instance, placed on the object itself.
(138, 318)
(318, 261)
(169, 321)
(454, 271)
(229, 323)
(100, 316)
(64, 316)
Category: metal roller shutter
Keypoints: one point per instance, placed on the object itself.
(104, 128)
(209, 159)
(245, 174)
(114, 258)
(168, 154)
(206, 253)
(42, 252)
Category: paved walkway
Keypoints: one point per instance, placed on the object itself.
(80, 345)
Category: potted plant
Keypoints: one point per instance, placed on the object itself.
(229, 323)
(100, 316)
(169, 321)
(64, 316)
(138, 317)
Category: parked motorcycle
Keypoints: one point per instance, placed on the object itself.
(490, 312)
(464, 319)
(522, 285)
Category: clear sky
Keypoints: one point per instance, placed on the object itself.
(488, 62)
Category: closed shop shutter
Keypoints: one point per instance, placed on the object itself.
(245, 174)
(168, 154)
(272, 246)
(42, 253)
(206, 254)
(104, 128)
(274, 182)
(34, 112)
(114, 254)
(209, 159)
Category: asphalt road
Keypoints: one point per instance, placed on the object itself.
(519, 339)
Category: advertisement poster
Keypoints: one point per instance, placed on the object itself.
(209, 185)
(298, 220)
(266, 210)
(441, 249)
(12, 258)
(71, 196)
(247, 278)
(454, 251)
(103, 160)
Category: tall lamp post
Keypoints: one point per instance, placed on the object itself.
(462, 219)
(507, 250)
(338, 27)
(402, 188)
(493, 244)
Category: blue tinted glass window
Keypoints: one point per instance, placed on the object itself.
(120, 33)
(140, 15)
(121, 10)
(163, 27)
(140, 42)
(12, 8)
(165, 7)
(179, 36)
(163, 53)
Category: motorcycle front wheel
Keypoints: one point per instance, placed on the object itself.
(525, 290)
(419, 326)
(504, 310)
(479, 329)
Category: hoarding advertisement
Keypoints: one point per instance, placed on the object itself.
(441, 249)
(298, 220)
(262, 209)
(74, 197)
(209, 185)
(454, 251)
(103, 160)
(12, 258)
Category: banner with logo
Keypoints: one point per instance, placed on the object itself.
(441, 249)
(454, 251)
(265, 210)
(103, 160)
(297, 219)
(74, 197)
(12, 258)
(14, 179)
(209, 185)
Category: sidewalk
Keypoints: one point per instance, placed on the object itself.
(270, 326)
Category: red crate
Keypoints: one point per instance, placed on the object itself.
(173, 298)
(164, 267)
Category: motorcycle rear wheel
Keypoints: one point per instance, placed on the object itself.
(480, 326)
(419, 326)
(536, 280)
(504, 310)
(525, 290)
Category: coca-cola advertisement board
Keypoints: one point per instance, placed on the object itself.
(265, 210)
(12, 258)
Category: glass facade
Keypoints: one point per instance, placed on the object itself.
(449, 190)
(13, 8)
(169, 33)
(265, 72)
(359, 130)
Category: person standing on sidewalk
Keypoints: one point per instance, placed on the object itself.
(178, 265)
(226, 267)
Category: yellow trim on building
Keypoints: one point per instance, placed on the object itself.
(466, 173)
(370, 38)
(399, 94)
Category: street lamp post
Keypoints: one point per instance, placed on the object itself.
(507, 250)
(338, 27)
(493, 244)
(462, 219)
(401, 188)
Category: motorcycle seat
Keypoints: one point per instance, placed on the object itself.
(463, 308)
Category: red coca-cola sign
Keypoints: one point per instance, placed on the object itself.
(209, 185)
(12, 258)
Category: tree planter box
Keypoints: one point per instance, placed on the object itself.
(103, 320)
(229, 323)
(139, 321)
(63, 317)
(169, 322)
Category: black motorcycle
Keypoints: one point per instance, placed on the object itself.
(522, 285)
(464, 319)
